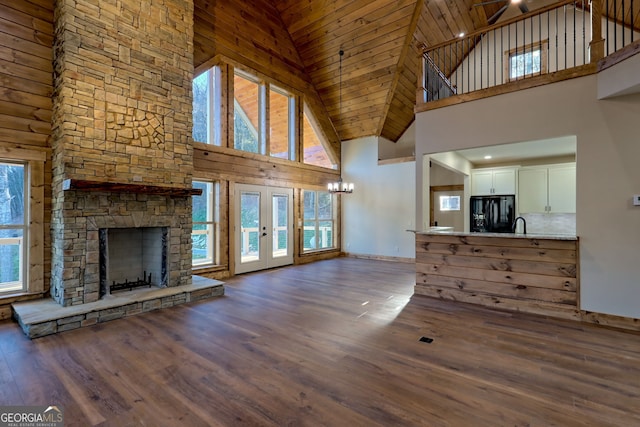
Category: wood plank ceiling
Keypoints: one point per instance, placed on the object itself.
(380, 65)
(379, 38)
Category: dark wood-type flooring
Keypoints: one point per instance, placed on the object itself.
(333, 343)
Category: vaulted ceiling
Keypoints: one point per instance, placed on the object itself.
(380, 65)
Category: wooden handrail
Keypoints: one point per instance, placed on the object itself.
(504, 24)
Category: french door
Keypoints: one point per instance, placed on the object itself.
(264, 227)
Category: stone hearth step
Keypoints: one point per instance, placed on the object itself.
(45, 317)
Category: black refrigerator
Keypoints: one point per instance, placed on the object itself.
(493, 214)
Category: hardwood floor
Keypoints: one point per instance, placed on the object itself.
(332, 343)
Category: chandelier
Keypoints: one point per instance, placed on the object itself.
(339, 186)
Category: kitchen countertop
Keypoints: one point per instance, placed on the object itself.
(501, 235)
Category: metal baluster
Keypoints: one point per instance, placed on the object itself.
(584, 37)
(502, 56)
(615, 30)
(495, 57)
(623, 24)
(632, 19)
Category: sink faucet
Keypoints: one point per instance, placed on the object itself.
(524, 223)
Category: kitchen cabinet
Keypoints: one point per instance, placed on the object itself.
(547, 189)
(495, 181)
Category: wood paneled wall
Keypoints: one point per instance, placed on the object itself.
(229, 166)
(521, 274)
(26, 42)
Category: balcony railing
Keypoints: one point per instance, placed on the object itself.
(563, 36)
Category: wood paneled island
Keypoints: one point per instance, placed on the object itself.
(519, 272)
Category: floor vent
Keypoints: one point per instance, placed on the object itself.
(426, 339)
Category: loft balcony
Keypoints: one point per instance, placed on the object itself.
(565, 40)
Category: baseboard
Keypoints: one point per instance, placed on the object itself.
(610, 320)
(380, 257)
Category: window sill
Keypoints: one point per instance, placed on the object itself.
(319, 251)
(202, 269)
(12, 297)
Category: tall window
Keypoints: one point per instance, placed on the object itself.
(246, 114)
(318, 221)
(528, 60)
(13, 227)
(281, 120)
(206, 107)
(204, 236)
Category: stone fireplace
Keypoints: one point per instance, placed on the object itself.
(122, 150)
(122, 164)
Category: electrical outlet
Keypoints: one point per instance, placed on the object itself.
(636, 200)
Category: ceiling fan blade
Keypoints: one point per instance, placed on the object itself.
(523, 7)
(492, 20)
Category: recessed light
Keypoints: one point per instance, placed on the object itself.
(461, 35)
(487, 157)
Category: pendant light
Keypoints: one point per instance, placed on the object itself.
(339, 186)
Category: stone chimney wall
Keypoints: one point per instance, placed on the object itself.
(122, 101)
(122, 114)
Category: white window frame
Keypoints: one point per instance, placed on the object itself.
(542, 46)
(33, 236)
(212, 231)
(214, 107)
(292, 116)
(316, 129)
(317, 221)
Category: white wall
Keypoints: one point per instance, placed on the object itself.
(487, 64)
(404, 147)
(608, 175)
(382, 207)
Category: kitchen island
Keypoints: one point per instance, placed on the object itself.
(518, 272)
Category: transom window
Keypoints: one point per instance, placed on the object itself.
(204, 236)
(13, 226)
(318, 221)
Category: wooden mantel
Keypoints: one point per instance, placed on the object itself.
(86, 185)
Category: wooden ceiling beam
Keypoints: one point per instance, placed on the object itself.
(406, 50)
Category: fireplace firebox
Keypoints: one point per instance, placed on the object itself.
(132, 258)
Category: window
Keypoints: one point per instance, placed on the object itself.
(281, 119)
(206, 107)
(318, 221)
(13, 226)
(246, 114)
(527, 61)
(313, 147)
(449, 203)
(204, 236)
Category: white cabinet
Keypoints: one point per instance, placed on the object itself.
(547, 189)
(489, 182)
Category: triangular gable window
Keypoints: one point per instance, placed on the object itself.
(314, 142)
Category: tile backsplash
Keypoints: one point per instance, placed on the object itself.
(551, 223)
